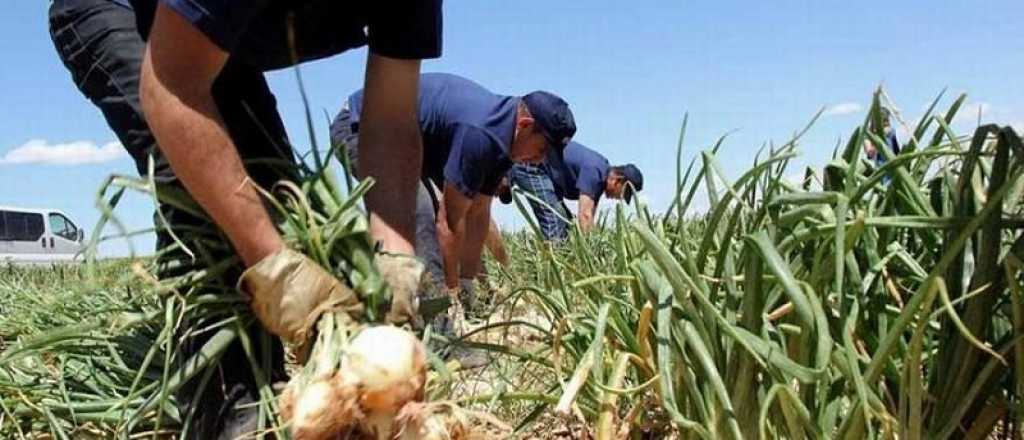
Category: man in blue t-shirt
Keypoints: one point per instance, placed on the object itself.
(201, 90)
(891, 142)
(99, 43)
(581, 174)
(192, 45)
(471, 137)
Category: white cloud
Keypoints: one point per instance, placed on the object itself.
(845, 108)
(966, 120)
(39, 151)
(970, 112)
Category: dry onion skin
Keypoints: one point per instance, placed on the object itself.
(431, 422)
(320, 410)
(447, 421)
(391, 366)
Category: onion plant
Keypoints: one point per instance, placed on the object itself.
(863, 302)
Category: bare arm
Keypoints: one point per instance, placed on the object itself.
(451, 227)
(496, 245)
(478, 221)
(586, 208)
(391, 149)
(178, 71)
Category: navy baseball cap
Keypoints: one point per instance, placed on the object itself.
(553, 116)
(635, 179)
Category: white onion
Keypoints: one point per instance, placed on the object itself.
(320, 410)
(389, 365)
(314, 400)
(363, 387)
(432, 427)
(431, 421)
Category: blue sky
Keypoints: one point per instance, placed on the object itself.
(630, 71)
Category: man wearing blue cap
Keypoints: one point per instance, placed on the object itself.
(579, 174)
(471, 138)
(888, 134)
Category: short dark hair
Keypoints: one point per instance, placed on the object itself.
(631, 174)
(617, 172)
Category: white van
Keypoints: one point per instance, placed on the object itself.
(38, 236)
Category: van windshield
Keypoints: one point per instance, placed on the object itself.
(62, 227)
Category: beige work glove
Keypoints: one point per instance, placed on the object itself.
(405, 276)
(289, 291)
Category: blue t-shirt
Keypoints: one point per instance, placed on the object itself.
(894, 148)
(467, 132)
(580, 171)
(256, 32)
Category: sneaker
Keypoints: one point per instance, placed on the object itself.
(468, 299)
(469, 358)
(442, 333)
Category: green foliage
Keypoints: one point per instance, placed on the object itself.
(861, 303)
(108, 357)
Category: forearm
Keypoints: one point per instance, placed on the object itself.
(191, 134)
(451, 230)
(585, 214)
(496, 245)
(391, 150)
(477, 225)
(585, 219)
(449, 243)
(586, 223)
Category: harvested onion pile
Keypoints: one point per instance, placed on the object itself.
(368, 383)
(355, 381)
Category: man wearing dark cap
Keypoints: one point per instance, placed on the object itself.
(579, 174)
(888, 134)
(471, 138)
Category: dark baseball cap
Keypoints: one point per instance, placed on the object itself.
(553, 116)
(635, 179)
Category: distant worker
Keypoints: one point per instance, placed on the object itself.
(581, 174)
(889, 135)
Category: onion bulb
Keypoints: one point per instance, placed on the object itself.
(432, 421)
(390, 366)
(323, 409)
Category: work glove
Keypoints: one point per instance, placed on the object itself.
(405, 276)
(289, 291)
